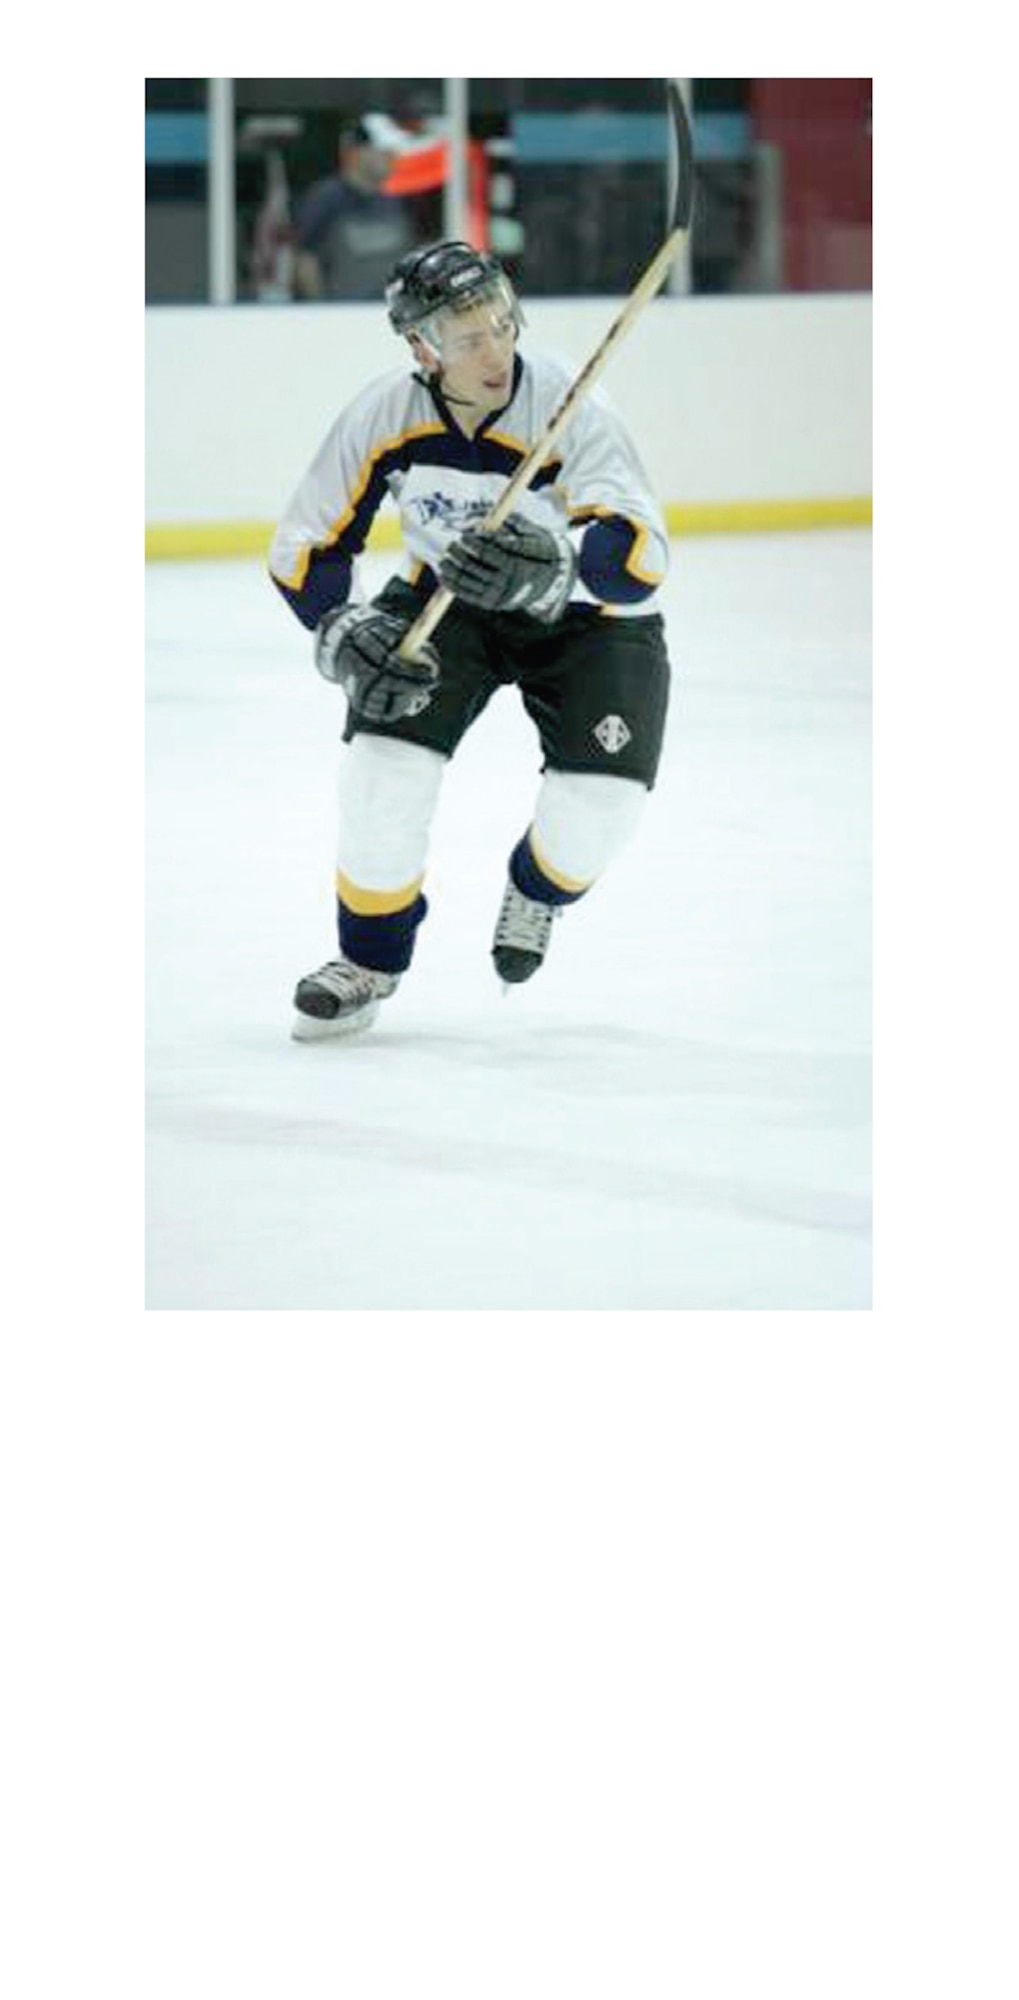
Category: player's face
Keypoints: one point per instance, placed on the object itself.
(476, 353)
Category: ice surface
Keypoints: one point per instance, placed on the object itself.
(674, 1113)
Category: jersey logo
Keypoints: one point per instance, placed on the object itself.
(448, 513)
(612, 734)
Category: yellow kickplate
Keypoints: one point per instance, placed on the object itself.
(180, 542)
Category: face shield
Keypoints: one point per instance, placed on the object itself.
(452, 333)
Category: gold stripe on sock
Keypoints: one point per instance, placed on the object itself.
(375, 902)
(561, 881)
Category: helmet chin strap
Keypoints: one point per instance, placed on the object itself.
(433, 374)
(433, 379)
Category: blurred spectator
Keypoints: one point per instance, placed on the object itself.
(347, 233)
(272, 242)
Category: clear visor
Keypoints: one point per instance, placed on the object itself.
(455, 332)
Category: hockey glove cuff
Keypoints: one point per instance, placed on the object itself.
(357, 647)
(518, 567)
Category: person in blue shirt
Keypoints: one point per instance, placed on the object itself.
(347, 233)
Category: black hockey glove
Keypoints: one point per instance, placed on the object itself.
(357, 646)
(518, 567)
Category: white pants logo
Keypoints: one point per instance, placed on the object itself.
(612, 734)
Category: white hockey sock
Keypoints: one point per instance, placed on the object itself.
(581, 822)
(388, 794)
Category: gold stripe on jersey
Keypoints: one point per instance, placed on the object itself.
(634, 560)
(550, 468)
(636, 552)
(296, 581)
(375, 902)
(510, 443)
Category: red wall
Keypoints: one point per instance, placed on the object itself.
(822, 127)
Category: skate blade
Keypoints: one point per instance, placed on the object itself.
(309, 1028)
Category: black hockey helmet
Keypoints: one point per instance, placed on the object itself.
(443, 275)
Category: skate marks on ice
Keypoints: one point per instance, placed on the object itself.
(573, 1089)
(615, 1177)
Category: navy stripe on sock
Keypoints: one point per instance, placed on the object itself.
(530, 880)
(384, 944)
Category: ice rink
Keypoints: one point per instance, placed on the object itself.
(675, 1113)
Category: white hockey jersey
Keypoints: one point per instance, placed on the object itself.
(399, 439)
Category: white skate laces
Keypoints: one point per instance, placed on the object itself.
(339, 998)
(342, 998)
(522, 932)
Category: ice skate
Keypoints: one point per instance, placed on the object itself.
(339, 999)
(522, 934)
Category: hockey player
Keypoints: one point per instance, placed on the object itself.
(560, 602)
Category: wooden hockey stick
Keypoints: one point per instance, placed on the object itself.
(655, 275)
